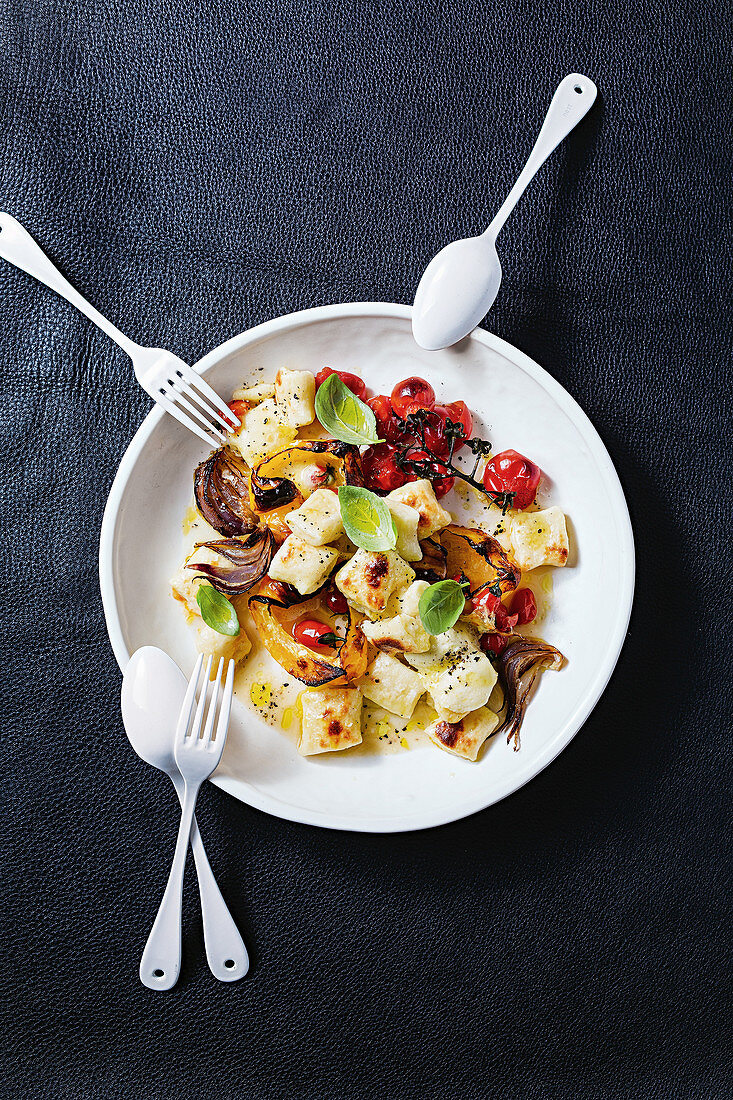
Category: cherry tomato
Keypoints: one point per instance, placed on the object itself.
(239, 408)
(351, 381)
(389, 427)
(493, 643)
(309, 632)
(381, 471)
(434, 468)
(510, 472)
(524, 605)
(437, 473)
(459, 413)
(420, 457)
(434, 432)
(335, 601)
(442, 486)
(412, 394)
(490, 603)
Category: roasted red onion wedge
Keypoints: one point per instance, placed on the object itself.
(250, 558)
(518, 666)
(221, 488)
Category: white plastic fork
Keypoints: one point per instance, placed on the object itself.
(197, 755)
(170, 382)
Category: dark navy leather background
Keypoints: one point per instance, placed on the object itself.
(196, 169)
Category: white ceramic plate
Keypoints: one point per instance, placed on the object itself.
(520, 406)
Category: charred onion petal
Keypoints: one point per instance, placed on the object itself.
(272, 491)
(250, 557)
(481, 558)
(221, 488)
(432, 566)
(347, 664)
(518, 666)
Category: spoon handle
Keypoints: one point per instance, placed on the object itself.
(225, 951)
(571, 102)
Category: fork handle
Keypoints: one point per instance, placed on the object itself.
(160, 964)
(18, 248)
(225, 951)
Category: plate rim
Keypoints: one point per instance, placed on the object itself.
(385, 310)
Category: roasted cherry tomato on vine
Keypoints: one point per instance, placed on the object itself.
(437, 473)
(309, 632)
(239, 408)
(381, 472)
(510, 472)
(524, 605)
(389, 426)
(493, 643)
(434, 433)
(412, 394)
(335, 601)
(433, 469)
(421, 457)
(443, 485)
(490, 603)
(459, 413)
(351, 381)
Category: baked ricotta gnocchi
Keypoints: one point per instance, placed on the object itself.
(322, 532)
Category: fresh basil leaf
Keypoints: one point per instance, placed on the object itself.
(366, 518)
(440, 605)
(216, 611)
(342, 414)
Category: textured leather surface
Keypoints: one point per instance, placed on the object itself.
(196, 169)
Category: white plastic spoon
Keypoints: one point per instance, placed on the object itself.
(459, 285)
(153, 689)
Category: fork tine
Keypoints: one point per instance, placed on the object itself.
(190, 389)
(208, 728)
(189, 698)
(182, 400)
(225, 708)
(201, 409)
(195, 379)
(165, 401)
(199, 716)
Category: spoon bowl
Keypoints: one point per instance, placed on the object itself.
(153, 689)
(456, 292)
